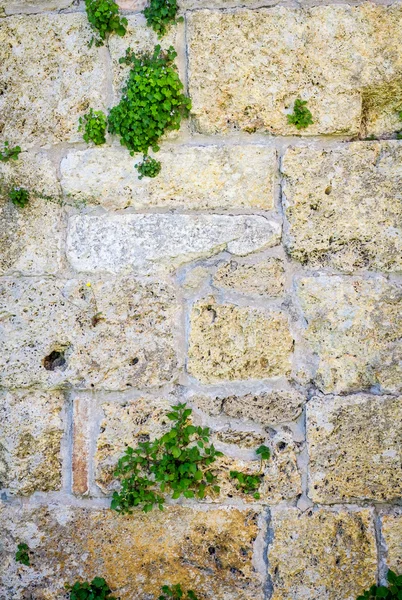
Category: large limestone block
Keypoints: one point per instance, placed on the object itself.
(354, 328)
(322, 554)
(344, 206)
(31, 429)
(248, 67)
(162, 242)
(49, 77)
(391, 528)
(229, 342)
(341, 467)
(12, 7)
(209, 551)
(114, 335)
(30, 237)
(192, 177)
(263, 278)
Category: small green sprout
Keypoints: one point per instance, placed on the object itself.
(392, 592)
(94, 126)
(98, 589)
(19, 196)
(161, 14)
(176, 593)
(249, 484)
(22, 554)
(301, 116)
(104, 18)
(8, 153)
(149, 167)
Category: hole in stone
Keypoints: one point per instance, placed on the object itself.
(55, 360)
(281, 446)
(211, 550)
(133, 361)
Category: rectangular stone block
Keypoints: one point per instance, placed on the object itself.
(342, 206)
(209, 551)
(322, 554)
(246, 68)
(162, 242)
(192, 177)
(112, 335)
(31, 237)
(260, 278)
(31, 431)
(49, 78)
(12, 7)
(82, 417)
(229, 342)
(354, 328)
(391, 529)
(341, 467)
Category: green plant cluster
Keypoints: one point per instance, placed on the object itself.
(301, 116)
(179, 463)
(249, 484)
(392, 592)
(98, 589)
(160, 14)
(152, 102)
(8, 153)
(149, 167)
(104, 18)
(22, 554)
(94, 126)
(176, 593)
(399, 133)
(19, 196)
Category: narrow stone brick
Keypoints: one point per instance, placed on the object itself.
(152, 243)
(210, 551)
(391, 527)
(229, 342)
(341, 469)
(263, 278)
(322, 554)
(12, 7)
(81, 440)
(342, 206)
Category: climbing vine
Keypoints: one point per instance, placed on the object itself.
(161, 14)
(392, 592)
(98, 589)
(105, 19)
(94, 126)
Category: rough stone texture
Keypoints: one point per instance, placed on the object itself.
(322, 554)
(263, 278)
(267, 407)
(232, 342)
(381, 106)
(30, 237)
(49, 78)
(81, 433)
(192, 177)
(248, 67)
(354, 327)
(11, 7)
(31, 429)
(344, 205)
(131, 345)
(391, 527)
(342, 469)
(148, 243)
(208, 550)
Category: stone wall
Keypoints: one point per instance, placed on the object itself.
(257, 278)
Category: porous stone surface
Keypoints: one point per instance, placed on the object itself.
(341, 469)
(381, 106)
(267, 408)
(391, 529)
(31, 429)
(322, 554)
(229, 342)
(263, 278)
(245, 73)
(192, 177)
(211, 550)
(11, 7)
(131, 342)
(353, 327)
(30, 237)
(343, 205)
(162, 242)
(42, 104)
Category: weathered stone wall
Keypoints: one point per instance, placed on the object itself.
(257, 278)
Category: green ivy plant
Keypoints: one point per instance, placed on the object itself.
(105, 19)
(94, 126)
(22, 554)
(19, 196)
(98, 589)
(399, 133)
(161, 14)
(249, 484)
(176, 593)
(152, 103)
(149, 167)
(392, 592)
(301, 116)
(178, 463)
(7, 153)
